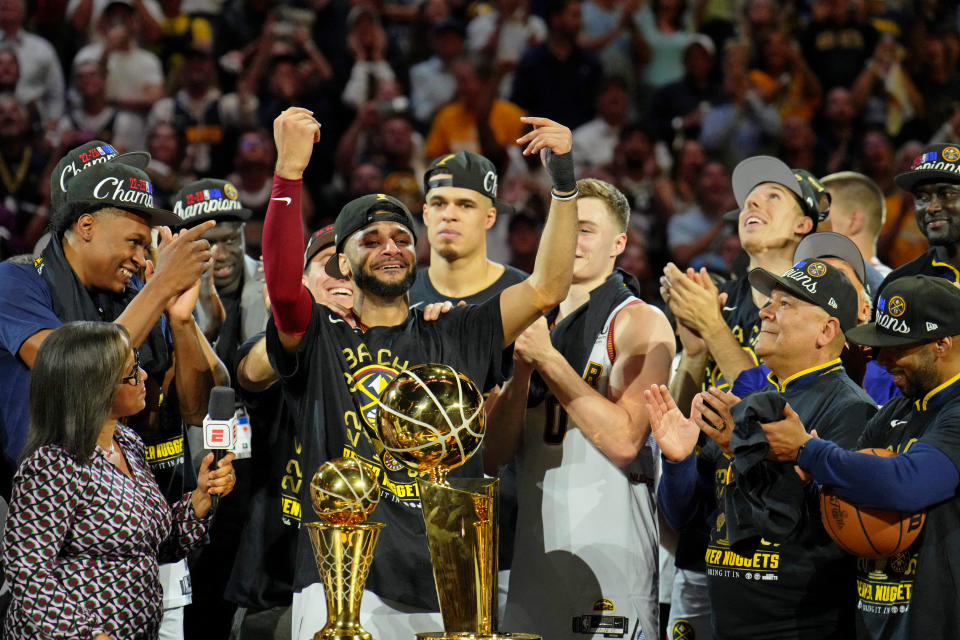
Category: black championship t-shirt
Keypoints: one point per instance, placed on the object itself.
(332, 385)
(743, 318)
(798, 588)
(423, 292)
(915, 594)
(932, 263)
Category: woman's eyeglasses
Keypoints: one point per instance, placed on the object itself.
(134, 377)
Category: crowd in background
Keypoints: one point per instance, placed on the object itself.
(664, 97)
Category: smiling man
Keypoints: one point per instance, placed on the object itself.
(934, 183)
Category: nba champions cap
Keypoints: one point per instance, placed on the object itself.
(912, 309)
(209, 199)
(937, 163)
(81, 158)
(816, 282)
(467, 170)
(359, 212)
(813, 197)
(116, 185)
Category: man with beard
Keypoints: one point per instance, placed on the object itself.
(913, 593)
(934, 182)
(332, 374)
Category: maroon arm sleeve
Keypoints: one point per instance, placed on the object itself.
(283, 258)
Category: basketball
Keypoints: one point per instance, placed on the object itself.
(868, 533)
(430, 418)
(344, 492)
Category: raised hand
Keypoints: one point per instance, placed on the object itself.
(182, 258)
(675, 434)
(553, 142)
(295, 131)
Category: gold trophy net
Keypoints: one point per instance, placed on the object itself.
(431, 419)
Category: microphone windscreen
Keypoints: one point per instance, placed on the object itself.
(222, 403)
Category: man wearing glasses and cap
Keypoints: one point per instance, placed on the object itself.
(772, 572)
(916, 337)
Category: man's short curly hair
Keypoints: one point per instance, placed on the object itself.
(617, 203)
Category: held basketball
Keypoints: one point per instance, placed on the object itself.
(868, 533)
(430, 418)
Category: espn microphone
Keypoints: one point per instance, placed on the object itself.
(220, 427)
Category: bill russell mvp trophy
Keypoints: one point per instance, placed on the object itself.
(343, 494)
(431, 419)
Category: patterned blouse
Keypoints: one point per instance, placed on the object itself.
(81, 545)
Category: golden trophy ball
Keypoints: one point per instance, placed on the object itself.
(430, 418)
(344, 493)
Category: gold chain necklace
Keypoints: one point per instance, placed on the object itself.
(13, 183)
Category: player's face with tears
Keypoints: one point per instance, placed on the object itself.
(789, 328)
(599, 241)
(937, 208)
(771, 218)
(457, 220)
(382, 258)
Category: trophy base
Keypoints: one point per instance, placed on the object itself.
(342, 635)
(466, 635)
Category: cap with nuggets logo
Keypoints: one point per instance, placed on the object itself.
(467, 170)
(813, 197)
(87, 155)
(937, 163)
(911, 310)
(359, 212)
(113, 185)
(816, 282)
(209, 199)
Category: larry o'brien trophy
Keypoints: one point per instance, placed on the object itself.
(430, 418)
(343, 494)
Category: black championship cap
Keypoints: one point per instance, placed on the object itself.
(359, 212)
(116, 185)
(937, 163)
(910, 310)
(467, 170)
(86, 155)
(818, 283)
(813, 197)
(319, 240)
(828, 244)
(209, 199)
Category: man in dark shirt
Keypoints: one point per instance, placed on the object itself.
(911, 594)
(770, 580)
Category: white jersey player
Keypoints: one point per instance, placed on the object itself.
(585, 560)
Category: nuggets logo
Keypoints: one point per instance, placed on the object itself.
(951, 154)
(682, 630)
(371, 381)
(230, 191)
(603, 604)
(816, 269)
(896, 306)
(390, 462)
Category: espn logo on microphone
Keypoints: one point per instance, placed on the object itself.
(218, 434)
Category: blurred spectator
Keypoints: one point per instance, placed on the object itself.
(760, 18)
(662, 25)
(783, 79)
(207, 120)
(593, 142)
(22, 164)
(92, 117)
(367, 42)
(134, 75)
(900, 238)
(939, 83)
(742, 124)
(797, 141)
(678, 107)
(165, 146)
(695, 236)
(837, 42)
(365, 178)
(635, 166)
(477, 121)
(883, 92)
(430, 14)
(503, 34)
(85, 15)
(678, 191)
(949, 131)
(609, 30)
(432, 83)
(836, 133)
(181, 31)
(41, 75)
(523, 239)
(559, 79)
(240, 28)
